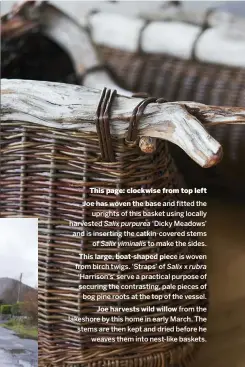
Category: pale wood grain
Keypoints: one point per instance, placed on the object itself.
(69, 107)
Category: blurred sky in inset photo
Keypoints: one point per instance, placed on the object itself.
(19, 249)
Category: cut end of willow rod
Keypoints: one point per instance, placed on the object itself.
(147, 144)
(215, 159)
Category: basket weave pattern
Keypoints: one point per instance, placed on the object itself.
(47, 173)
(176, 79)
(180, 80)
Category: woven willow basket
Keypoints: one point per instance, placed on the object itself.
(175, 79)
(30, 54)
(47, 170)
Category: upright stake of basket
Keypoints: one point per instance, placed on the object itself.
(67, 107)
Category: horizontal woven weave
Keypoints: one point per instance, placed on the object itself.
(47, 173)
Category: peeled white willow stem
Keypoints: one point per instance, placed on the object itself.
(215, 45)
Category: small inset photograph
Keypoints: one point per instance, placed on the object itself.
(19, 292)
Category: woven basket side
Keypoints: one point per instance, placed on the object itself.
(47, 173)
(176, 79)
